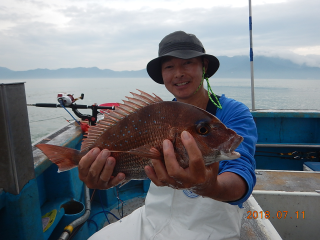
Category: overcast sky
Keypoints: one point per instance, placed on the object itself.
(124, 34)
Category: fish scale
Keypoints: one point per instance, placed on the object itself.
(135, 131)
(133, 166)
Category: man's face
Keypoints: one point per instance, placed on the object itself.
(182, 77)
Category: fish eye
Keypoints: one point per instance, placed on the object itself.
(202, 128)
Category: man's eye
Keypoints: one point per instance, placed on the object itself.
(169, 66)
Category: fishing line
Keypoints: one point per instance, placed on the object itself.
(119, 200)
(49, 119)
(92, 195)
(61, 103)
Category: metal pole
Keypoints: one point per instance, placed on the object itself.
(251, 58)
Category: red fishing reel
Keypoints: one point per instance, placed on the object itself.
(67, 99)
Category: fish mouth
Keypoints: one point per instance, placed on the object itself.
(237, 140)
(229, 153)
(220, 156)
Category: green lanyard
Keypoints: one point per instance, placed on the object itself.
(209, 91)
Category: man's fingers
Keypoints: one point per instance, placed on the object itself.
(196, 163)
(153, 176)
(86, 162)
(108, 169)
(160, 171)
(171, 164)
(97, 166)
(106, 174)
(114, 181)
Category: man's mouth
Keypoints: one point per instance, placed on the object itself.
(181, 84)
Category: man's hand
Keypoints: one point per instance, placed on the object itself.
(95, 170)
(201, 179)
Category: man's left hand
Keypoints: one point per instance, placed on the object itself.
(197, 177)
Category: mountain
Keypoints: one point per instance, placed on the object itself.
(230, 67)
(79, 72)
(264, 67)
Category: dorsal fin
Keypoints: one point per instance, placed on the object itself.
(135, 103)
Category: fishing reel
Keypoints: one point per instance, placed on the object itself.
(67, 99)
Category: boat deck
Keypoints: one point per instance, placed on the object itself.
(289, 181)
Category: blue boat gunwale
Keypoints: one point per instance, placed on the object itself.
(281, 113)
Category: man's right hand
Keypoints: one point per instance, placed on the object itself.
(95, 170)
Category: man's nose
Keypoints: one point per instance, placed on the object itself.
(179, 73)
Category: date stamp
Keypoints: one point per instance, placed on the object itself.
(275, 215)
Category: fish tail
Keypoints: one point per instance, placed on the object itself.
(65, 158)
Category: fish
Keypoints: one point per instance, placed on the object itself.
(134, 133)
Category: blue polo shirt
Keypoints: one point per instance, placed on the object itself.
(236, 116)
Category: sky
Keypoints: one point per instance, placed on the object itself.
(124, 34)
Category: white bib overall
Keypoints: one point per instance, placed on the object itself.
(176, 214)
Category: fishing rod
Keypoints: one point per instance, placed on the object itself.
(67, 100)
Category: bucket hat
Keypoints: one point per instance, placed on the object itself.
(180, 45)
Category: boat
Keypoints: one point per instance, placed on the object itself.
(37, 202)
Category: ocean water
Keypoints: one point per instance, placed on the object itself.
(269, 94)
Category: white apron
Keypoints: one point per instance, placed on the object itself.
(176, 214)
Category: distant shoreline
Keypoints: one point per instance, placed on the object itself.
(230, 67)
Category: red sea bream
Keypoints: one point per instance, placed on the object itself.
(135, 131)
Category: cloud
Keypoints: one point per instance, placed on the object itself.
(38, 4)
(6, 15)
(92, 34)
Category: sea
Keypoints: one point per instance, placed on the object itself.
(269, 94)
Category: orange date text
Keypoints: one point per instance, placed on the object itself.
(278, 215)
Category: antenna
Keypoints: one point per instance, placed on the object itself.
(251, 58)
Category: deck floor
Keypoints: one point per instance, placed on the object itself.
(290, 181)
(128, 207)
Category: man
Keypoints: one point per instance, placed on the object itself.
(200, 202)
